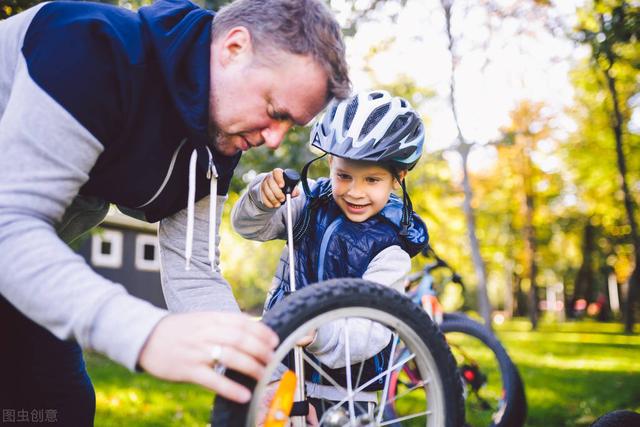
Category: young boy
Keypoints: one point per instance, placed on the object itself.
(350, 225)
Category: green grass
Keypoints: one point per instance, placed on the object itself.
(127, 399)
(573, 372)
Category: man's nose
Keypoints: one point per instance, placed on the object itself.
(274, 134)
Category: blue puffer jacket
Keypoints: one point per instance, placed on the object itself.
(328, 246)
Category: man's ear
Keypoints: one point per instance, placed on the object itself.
(235, 47)
(401, 175)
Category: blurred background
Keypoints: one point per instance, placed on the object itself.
(529, 187)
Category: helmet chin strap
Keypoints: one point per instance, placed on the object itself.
(303, 175)
(407, 206)
(303, 221)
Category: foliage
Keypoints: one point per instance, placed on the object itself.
(249, 266)
(12, 7)
(607, 84)
(591, 164)
(572, 373)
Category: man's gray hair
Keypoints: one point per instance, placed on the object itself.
(301, 27)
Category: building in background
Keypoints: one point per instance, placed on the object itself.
(125, 250)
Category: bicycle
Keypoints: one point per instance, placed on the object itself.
(494, 391)
(436, 399)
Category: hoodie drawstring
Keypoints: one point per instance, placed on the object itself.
(191, 201)
(212, 175)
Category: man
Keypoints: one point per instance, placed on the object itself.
(150, 111)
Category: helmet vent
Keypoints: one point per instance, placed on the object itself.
(375, 95)
(403, 103)
(350, 113)
(397, 124)
(374, 119)
(333, 113)
(416, 132)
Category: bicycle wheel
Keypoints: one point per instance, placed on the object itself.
(494, 393)
(494, 390)
(435, 401)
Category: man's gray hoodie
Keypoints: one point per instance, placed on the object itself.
(102, 105)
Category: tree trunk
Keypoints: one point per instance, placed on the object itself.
(463, 149)
(530, 241)
(634, 280)
(478, 262)
(521, 298)
(530, 244)
(585, 274)
(509, 305)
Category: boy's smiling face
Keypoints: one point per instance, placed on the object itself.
(361, 189)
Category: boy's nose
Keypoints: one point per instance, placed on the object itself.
(356, 191)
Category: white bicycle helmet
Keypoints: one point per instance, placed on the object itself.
(371, 126)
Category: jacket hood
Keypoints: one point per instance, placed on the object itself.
(180, 33)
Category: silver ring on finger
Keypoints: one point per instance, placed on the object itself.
(215, 355)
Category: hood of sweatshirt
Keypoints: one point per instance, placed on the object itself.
(180, 33)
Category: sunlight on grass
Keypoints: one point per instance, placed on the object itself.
(127, 399)
(576, 371)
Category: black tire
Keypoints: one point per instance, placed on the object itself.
(325, 297)
(515, 403)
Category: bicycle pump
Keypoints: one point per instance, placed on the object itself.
(291, 179)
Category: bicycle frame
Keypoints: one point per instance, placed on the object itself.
(424, 294)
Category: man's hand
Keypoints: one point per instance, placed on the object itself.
(271, 193)
(180, 349)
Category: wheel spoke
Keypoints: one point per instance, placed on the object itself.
(406, 392)
(363, 360)
(385, 391)
(333, 382)
(347, 357)
(377, 377)
(408, 417)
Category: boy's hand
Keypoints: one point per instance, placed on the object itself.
(271, 193)
(308, 338)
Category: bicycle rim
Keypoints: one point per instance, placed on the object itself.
(435, 401)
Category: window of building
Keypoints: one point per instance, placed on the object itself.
(106, 249)
(147, 253)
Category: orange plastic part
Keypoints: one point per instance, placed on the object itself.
(282, 402)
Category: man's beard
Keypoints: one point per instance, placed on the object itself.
(223, 144)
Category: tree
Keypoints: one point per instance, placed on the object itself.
(528, 128)
(463, 148)
(611, 29)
